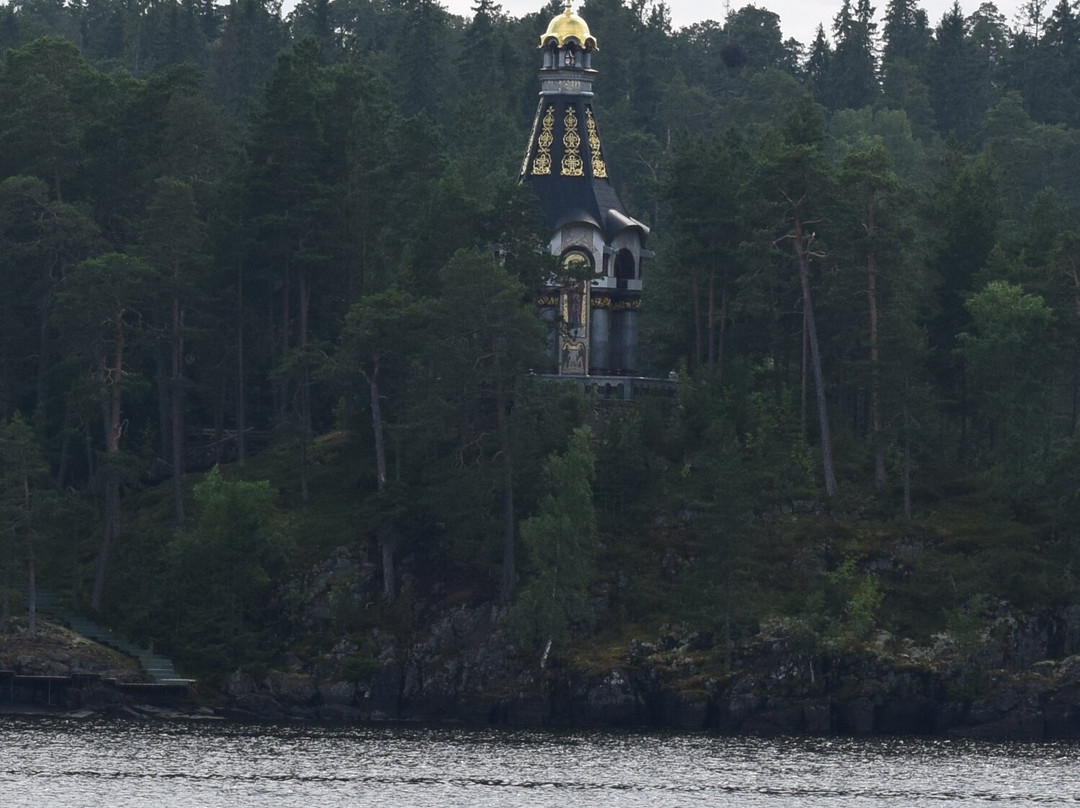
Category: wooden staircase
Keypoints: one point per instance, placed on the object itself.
(158, 669)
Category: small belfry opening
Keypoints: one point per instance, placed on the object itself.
(625, 266)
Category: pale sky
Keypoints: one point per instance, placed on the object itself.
(798, 18)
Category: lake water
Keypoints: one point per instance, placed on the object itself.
(47, 763)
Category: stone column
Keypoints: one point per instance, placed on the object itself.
(600, 336)
(629, 340)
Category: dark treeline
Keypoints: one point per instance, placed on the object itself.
(229, 236)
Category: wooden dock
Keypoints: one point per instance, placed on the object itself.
(71, 691)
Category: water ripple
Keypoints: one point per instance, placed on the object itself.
(55, 763)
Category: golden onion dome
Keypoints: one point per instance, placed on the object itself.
(568, 25)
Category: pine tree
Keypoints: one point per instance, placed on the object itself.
(173, 244)
(795, 177)
(819, 65)
(23, 475)
(100, 307)
(906, 33)
(903, 64)
(957, 82)
(852, 76)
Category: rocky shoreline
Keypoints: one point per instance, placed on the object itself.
(462, 668)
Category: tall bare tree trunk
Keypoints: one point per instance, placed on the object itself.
(65, 450)
(283, 384)
(113, 378)
(44, 350)
(711, 318)
(907, 462)
(804, 384)
(723, 332)
(802, 245)
(178, 409)
(386, 538)
(164, 397)
(697, 319)
(1074, 273)
(305, 389)
(377, 427)
(509, 573)
(31, 573)
(875, 369)
(241, 394)
(31, 587)
(386, 546)
(219, 417)
(963, 413)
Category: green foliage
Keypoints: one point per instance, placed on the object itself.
(221, 570)
(848, 605)
(1009, 351)
(560, 541)
(740, 448)
(626, 480)
(24, 495)
(1063, 492)
(22, 471)
(967, 621)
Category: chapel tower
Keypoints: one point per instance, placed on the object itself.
(593, 307)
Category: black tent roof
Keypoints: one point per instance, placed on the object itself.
(587, 197)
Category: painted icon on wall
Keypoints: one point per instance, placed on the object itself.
(574, 314)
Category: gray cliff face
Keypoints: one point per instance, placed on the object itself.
(1019, 677)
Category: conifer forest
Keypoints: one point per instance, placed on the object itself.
(267, 299)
